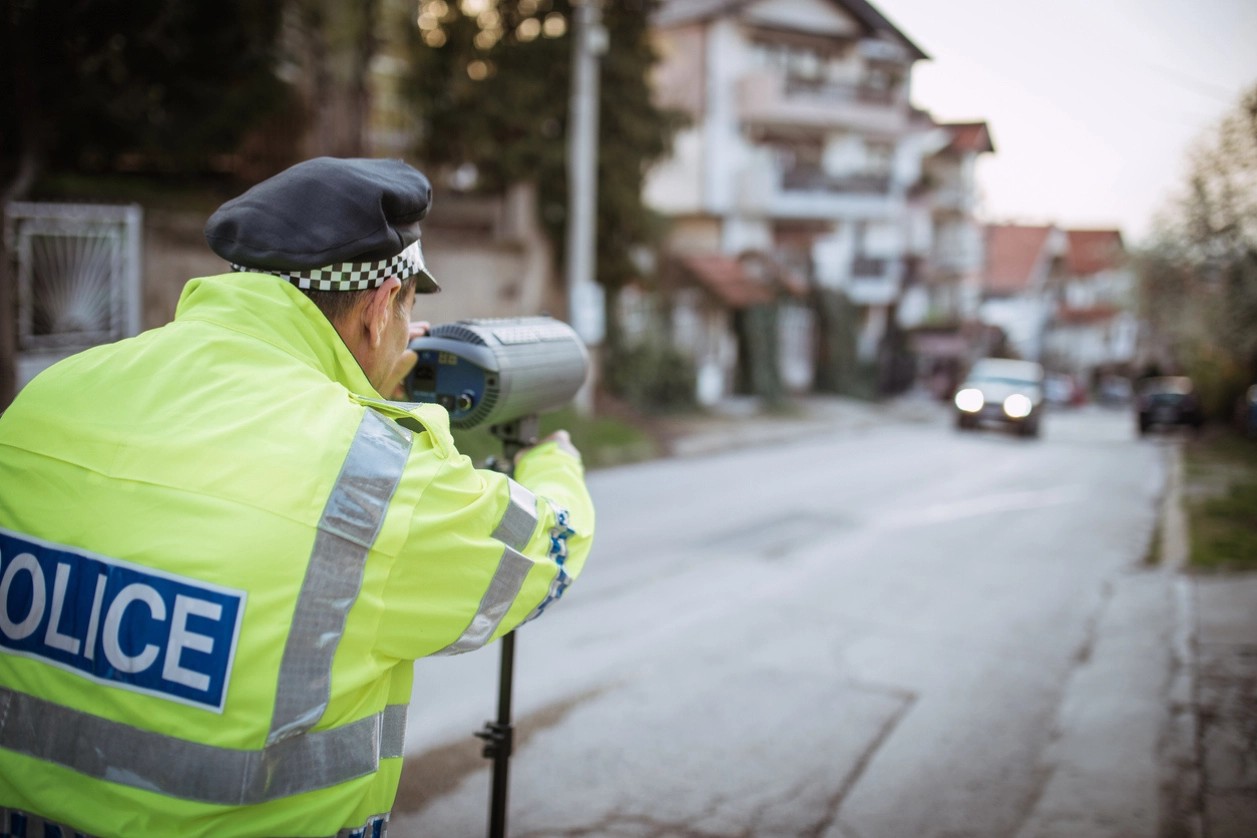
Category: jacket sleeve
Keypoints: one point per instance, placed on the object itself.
(484, 552)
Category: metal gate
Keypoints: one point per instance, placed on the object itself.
(77, 272)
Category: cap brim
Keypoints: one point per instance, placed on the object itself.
(425, 283)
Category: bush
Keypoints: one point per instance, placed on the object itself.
(654, 378)
(1219, 382)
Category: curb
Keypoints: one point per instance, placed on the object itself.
(1182, 808)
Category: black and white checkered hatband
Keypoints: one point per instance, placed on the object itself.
(353, 276)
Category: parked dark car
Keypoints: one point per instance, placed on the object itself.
(1002, 391)
(1168, 402)
(1247, 413)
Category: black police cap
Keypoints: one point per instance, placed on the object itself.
(331, 224)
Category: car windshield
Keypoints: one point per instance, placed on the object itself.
(1002, 379)
(1006, 371)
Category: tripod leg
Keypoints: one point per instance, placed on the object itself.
(499, 736)
(505, 733)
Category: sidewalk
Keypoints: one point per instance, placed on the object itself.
(1215, 721)
(1226, 703)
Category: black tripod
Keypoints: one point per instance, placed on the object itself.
(499, 735)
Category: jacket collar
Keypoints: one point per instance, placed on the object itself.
(277, 313)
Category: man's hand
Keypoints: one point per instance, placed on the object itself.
(559, 438)
(405, 362)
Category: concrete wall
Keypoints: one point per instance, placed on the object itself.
(490, 256)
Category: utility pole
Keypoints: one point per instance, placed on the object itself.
(584, 294)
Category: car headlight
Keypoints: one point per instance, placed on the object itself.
(970, 400)
(1017, 406)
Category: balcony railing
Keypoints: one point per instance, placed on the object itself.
(770, 98)
(811, 179)
(839, 91)
(864, 267)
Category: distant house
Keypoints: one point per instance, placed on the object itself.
(1063, 297)
(708, 304)
(1094, 326)
(1022, 278)
(802, 149)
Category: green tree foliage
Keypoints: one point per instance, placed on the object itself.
(491, 81)
(1199, 279)
(98, 85)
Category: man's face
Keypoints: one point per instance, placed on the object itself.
(398, 335)
(396, 339)
(377, 333)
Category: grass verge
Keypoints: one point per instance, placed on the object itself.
(602, 440)
(1220, 501)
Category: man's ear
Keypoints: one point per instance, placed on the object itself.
(380, 307)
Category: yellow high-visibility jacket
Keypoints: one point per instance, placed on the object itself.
(220, 553)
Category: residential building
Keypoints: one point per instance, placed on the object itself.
(1094, 328)
(1022, 280)
(1063, 297)
(957, 254)
(801, 151)
(943, 287)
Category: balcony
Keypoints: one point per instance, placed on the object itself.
(809, 192)
(958, 248)
(864, 267)
(956, 260)
(874, 281)
(814, 179)
(768, 97)
(955, 199)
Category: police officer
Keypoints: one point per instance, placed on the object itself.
(222, 547)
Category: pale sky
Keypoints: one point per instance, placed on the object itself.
(1093, 105)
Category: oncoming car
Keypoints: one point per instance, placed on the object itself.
(1003, 391)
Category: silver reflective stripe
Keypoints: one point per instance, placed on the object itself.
(519, 519)
(393, 732)
(351, 519)
(508, 579)
(142, 759)
(15, 823)
(514, 529)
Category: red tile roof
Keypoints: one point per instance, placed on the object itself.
(969, 136)
(1086, 316)
(1013, 252)
(1092, 251)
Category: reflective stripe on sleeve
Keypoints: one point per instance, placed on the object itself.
(507, 581)
(514, 530)
(519, 519)
(119, 753)
(351, 519)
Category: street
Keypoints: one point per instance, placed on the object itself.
(896, 630)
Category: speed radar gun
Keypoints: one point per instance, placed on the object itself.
(502, 373)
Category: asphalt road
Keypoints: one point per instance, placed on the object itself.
(896, 629)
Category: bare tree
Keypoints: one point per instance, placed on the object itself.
(1199, 280)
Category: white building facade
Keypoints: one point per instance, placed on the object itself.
(802, 148)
